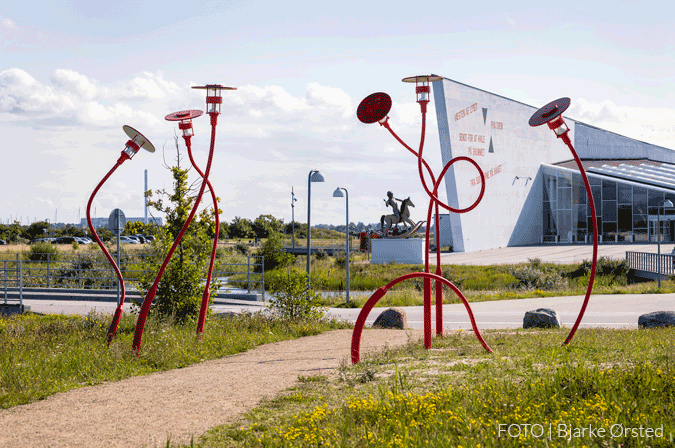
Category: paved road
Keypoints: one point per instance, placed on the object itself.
(615, 311)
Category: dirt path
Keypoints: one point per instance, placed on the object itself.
(144, 411)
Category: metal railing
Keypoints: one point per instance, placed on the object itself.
(93, 274)
(649, 262)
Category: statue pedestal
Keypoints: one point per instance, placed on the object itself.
(410, 251)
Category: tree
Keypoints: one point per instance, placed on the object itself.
(241, 228)
(36, 230)
(11, 232)
(273, 251)
(179, 292)
(265, 225)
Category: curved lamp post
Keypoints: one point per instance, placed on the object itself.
(213, 102)
(338, 194)
(135, 143)
(314, 176)
(551, 114)
(666, 203)
(374, 108)
(185, 124)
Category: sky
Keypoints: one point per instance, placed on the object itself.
(72, 73)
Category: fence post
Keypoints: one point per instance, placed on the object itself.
(21, 284)
(16, 266)
(5, 281)
(249, 272)
(47, 270)
(79, 271)
(262, 260)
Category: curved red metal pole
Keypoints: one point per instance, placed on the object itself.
(147, 302)
(589, 194)
(379, 293)
(207, 289)
(118, 312)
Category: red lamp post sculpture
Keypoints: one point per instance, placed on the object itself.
(185, 118)
(374, 108)
(213, 102)
(551, 114)
(135, 143)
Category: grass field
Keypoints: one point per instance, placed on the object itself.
(609, 388)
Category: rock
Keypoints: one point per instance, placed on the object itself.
(657, 319)
(392, 318)
(541, 318)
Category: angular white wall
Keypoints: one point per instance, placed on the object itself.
(493, 131)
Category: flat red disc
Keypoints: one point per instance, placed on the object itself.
(549, 112)
(183, 115)
(374, 107)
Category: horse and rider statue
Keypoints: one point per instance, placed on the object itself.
(400, 216)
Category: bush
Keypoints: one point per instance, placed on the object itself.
(43, 251)
(320, 255)
(242, 248)
(537, 275)
(273, 251)
(341, 259)
(290, 297)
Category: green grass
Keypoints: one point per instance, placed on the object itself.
(43, 355)
(455, 394)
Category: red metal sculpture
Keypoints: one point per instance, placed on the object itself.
(185, 117)
(136, 142)
(374, 108)
(551, 114)
(213, 102)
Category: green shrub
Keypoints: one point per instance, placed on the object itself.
(537, 275)
(74, 245)
(242, 248)
(340, 259)
(43, 251)
(273, 251)
(290, 297)
(320, 255)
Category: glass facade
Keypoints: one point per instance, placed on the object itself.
(625, 211)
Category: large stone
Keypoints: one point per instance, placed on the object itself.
(657, 319)
(392, 318)
(541, 318)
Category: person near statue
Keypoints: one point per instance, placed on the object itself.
(391, 201)
(401, 215)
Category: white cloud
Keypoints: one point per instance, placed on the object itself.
(652, 125)
(7, 23)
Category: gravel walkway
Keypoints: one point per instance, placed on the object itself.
(146, 410)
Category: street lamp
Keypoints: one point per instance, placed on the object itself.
(213, 102)
(338, 194)
(134, 144)
(293, 201)
(185, 124)
(666, 203)
(551, 114)
(314, 176)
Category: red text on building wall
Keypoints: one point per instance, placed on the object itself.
(488, 174)
(464, 112)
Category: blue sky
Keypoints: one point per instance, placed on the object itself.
(72, 73)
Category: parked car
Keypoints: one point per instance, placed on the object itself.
(149, 238)
(83, 240)
(3, 242)
(65, 240)
(141, 238)
(128, 240)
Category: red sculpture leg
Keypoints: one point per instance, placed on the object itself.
(147, 302)
(379, 293)
(207, 288)
(112, 330)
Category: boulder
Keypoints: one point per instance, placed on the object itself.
(657, 319)
(392, 318)
(541, 318)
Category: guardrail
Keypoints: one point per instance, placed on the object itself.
(649, 262)
(85, 273)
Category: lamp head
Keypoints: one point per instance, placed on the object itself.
(185, 117)
(374, 107)
(316, 177)
(338, 193)
(136, 142)
(551, 114)
(422, 85)
(213, 97)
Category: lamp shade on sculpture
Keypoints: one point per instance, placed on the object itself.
(374, 107)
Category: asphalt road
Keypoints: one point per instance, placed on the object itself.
(613, 311)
